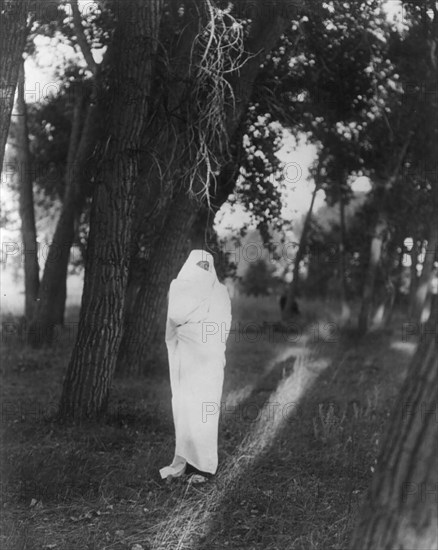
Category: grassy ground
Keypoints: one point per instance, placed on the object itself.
(302, 422)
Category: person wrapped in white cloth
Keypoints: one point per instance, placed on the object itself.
(198, 324)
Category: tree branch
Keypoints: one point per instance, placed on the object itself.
(81, 38)
(270, 21)
(75, 131)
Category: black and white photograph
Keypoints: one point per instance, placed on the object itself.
(219, 274)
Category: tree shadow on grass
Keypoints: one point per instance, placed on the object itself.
(297, 479)
(288, 485)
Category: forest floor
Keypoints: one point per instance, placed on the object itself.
(302, 421)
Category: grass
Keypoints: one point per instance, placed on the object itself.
(302, 423)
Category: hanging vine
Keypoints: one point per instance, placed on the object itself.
(218, 50)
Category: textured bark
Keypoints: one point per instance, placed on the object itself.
(142, 320)
(163, 160)
(270, 21)
(142, 324)
(377, 241)
(162, 163)
(13, 34)
(27, 213)
(401, 508)
(89, 374)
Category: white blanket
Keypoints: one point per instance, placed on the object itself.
(198, 322)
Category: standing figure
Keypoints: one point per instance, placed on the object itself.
(198, 324)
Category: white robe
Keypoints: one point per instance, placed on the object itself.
(198, 323)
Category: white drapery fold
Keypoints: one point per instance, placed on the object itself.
(198, 323)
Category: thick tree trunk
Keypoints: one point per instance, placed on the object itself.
(268, 26)
(293, 287)
(425, 280)
(401, 508)
(143, 318)
(163, 163)
(163, 143)
(142, 324)
(91, 367)
(53, 288)
(377, 241)
(27, 213)
(13, 32)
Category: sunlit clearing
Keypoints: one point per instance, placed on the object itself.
(236, 397)
(192, 519)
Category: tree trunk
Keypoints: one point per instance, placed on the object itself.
(60, 299)
(400, 272)
(147, 296)
(345, 310)
(377, 241)
(27, 213)
(380, 231)
(268, 26)
(142, 324)
(414, 277)
(391, 284)
(384, 287)
(163, 143)
(425, 280)
(293, 287)
(384, 296)
(53, 288)
(42, 328)
(89, 373)
(53, 295)
(401, 508)
(13, 32)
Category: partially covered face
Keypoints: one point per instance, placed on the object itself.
(204, 265)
